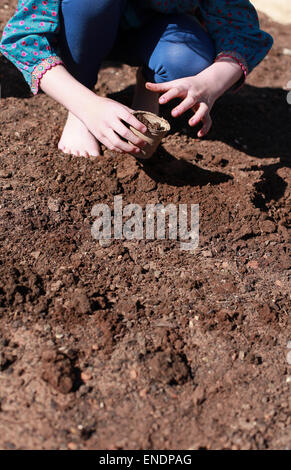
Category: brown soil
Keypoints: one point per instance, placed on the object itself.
(151, 126)
(139, 345)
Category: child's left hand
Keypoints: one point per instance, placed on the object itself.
(199, 92)
(194, 96)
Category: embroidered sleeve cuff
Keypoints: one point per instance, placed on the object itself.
(241, 61)
(41, 69)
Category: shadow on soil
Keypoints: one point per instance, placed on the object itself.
(255, 121)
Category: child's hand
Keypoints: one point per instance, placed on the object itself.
(103, 117)
(199, 92)
(195, 96)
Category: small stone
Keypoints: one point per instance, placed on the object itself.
(288, 379)
(55, 286)
(60, 178)
(207, 254)
(47, 329)
(53, 205)
(133, 374)
(241, 355)
(59, 336)
(105, 242)
(86, 376)
(286, 51)
(35, 254)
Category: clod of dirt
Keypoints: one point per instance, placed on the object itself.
(169, 368)
(199, 395)
(5, 174)
(268, 226)
(80, 302)
(8, 354)
(59, 371)
(127, 170)
(6, 359)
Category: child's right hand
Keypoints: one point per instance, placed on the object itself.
(103, 118)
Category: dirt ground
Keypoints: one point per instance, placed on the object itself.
(140, 345)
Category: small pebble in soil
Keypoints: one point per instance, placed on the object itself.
(105, 243)
(86, 376)
(207, 254)
(241, 355)
(286, 51)
(53, 205)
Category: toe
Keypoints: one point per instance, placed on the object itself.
(94, 153)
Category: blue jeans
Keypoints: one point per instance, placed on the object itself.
(166, 46)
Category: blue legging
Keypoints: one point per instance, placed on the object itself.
(166, 46)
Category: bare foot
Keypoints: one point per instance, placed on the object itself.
(77, 140)
(144, 99)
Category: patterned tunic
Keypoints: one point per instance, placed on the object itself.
(30, 39)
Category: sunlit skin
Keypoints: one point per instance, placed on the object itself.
(199, 93)
(93, 119)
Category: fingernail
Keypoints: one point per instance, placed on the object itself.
(174, 113)
(162, 100)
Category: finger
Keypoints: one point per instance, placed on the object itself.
(159, 87)
(120, 144)
(108, 144)
(127, 134)
(186, 104)
(174, 92)
(130, 119)
(207, 123)
(199, 114)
